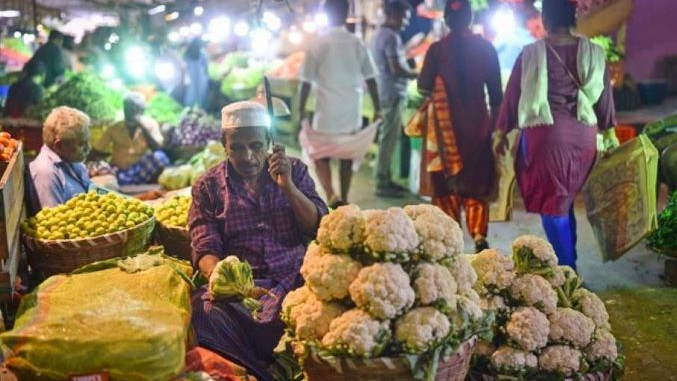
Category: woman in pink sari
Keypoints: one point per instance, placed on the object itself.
(559, 95)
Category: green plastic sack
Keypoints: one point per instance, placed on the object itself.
(130, 326)
(620, 197)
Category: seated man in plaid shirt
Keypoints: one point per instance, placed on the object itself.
(263, 208)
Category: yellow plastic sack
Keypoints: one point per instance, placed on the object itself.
(128, 326)
(620, 197)
(500, 209)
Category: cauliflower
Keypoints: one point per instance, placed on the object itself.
(560, 358)
(557, 276)
(591, 306)
(602, 347)
(463, 272)
(530, 252)
(470, 308)
(383, 290)
(421, 329)
(534, 290)
(472, 295)
(311, 318)
(493, 303)
(511, 359)
(528, 327)
(572, 327)
(328, 275)
(342, 230)
(434, 283)
(390, 235)
(439, 234)
(358, 334)
(293, 299)
(494, 270)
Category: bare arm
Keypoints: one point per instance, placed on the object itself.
(400, 70)
(303, 100)
(373, 93)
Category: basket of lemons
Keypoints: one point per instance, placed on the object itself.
(89, 227)
(172, 230)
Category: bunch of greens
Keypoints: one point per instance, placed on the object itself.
(84, 91)
(611, 49)
(164, 109)
(665, 237)
(232, 279)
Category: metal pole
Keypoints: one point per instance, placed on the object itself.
(35, 17)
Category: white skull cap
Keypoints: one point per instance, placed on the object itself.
(244, 114)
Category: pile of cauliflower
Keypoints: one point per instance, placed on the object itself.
(546, 322)
(383, 283)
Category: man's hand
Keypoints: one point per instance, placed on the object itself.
(207, 264)
(279, 167)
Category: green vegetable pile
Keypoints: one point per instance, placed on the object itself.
(164, 109)
(613, 53)
(665, 237)
(84, 91)
(18, 45)
(232, 279)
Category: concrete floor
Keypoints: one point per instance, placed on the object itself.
(639, 267)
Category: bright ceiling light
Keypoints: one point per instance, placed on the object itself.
(241, 28)
(17, 34)
(156, 10)
(107, 46)
(504, 21)
(309, 26)
(321, 19)
(184, 31)
(108, 71)
(173, 36)
(10, 13)
(272, 21)
(28, 38)
(113, 38)
(295, 37)
(198, 11)
(164, 70)
(196, 28)
(135, 60)
(172, 16)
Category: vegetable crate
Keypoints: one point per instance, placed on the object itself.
(28, 131)
(12, 211)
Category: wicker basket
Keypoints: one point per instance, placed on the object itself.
(452, 368)
(52, 257)
(597, 376)
(175, 240)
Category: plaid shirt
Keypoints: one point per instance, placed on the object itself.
(226, 219)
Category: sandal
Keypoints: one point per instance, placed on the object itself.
(481, 244)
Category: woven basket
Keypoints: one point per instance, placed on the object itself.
(52, 257)
(597, 376)
(452, 368)
(175, 240)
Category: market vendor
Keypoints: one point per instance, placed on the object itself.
(58, 172)
(136, 144)
(27, 91)
(263, 208)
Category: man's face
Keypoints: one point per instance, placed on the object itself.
(247, 149)
(75, 150)
(404, 20)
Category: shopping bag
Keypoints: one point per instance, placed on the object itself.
(500, 209)
(620, 197)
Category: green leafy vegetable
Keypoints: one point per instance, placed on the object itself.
(164, 109)
(611, 49)
(232, 279)
(665, 237)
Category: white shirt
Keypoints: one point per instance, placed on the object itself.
(337, 63)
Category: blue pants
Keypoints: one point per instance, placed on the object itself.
(561, 232)
(146, 171)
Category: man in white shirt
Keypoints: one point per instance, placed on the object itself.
(336, 66)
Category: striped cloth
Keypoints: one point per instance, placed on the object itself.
(145, 171)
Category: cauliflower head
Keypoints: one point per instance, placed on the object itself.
(357, 333)
(342, 230)
(493, 303)
(470, 308)
(311, 318)
(434, 283)
(528, 328)
(293, 299)
(421, 329)
(328, 275)
(530, 252)
(390, 235)
(440, 235)
(572, 327)
(557, 276)
(383, 290)
(602, 347)
(561, 359)
(463, 272)
(494, 270)
(534, 290)
(511, 359)
(591, 306)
